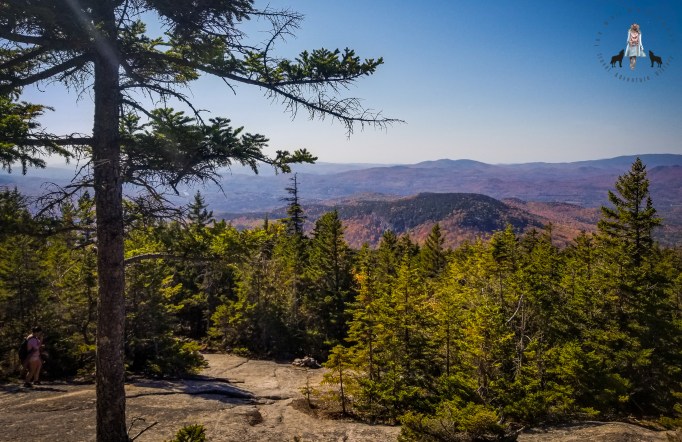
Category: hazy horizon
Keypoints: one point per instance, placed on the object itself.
(266, 170)
(520, 82)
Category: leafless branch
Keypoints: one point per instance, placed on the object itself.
(55, 198)
(143, 430)
(517, 309)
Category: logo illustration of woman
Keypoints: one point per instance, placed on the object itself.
(634, 46)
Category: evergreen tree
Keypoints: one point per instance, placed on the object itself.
(388, 257)
(24, 284)
(23, 277)
(329, 284)
(635, 295)
(258, 319)
(339, 368)
(198, 212)
(539, 388)
(365, 334)
(626, 234)
(71, 259)
(579, 282)
(292, 252)
(414, 325)
(295, 216)
(489, 347)
(390, 336)
(581, 325)
(628, 225)
(203, 275)
(14, 215)
(18, 122)
(432, 253)
(505, 256)
(454, 295)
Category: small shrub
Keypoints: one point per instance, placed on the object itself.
(190, 433)
(168, 356)
(453, 423)
(241, 351)
(674, 422)
(308, 391)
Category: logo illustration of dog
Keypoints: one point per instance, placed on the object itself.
(618, 58)
(655, 59)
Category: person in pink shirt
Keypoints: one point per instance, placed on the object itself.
(33, 362)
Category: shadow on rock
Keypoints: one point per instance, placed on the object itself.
(202, 386)
(20, 389)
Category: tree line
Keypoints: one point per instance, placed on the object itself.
(510, 330)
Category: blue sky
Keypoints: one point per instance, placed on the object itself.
(493, 81)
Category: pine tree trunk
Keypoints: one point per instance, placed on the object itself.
(111, 424)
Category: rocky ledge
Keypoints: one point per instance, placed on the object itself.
(236, 399)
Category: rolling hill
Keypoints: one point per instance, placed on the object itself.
(462, 216)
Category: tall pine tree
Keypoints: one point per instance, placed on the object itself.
(635, 294)
(432, 253)
(329, 283)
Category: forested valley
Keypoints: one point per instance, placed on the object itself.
(497, 334)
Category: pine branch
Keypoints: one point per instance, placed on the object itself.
(12, 83)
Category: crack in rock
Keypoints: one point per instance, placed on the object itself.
(239, 365)
(275, 397)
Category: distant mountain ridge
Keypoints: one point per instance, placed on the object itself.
(531, 188)
(584, 182)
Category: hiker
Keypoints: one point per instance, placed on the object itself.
(33, 363)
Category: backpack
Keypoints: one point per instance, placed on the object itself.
(23, 350)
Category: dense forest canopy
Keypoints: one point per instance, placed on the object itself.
(477, 340)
